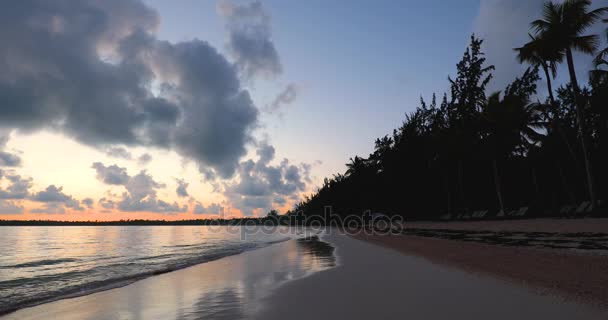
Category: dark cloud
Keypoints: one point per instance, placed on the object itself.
(18, 187)
(107, 203)
(250, 39)
(113, 174)
(285, 97)
(182, 188)
(144, 159)
(88, 202)
(279, 200)
(87, 69)
(55, 199)
(10, 207)
(141, 191)
(260, 183)
(213, 208)
(7, 159)
(118, 152)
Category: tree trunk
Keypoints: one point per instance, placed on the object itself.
(461, 186)
(549, 87)
(562, 177)
(581, 126)
(447, 188)
(497, 185)
(557, 118)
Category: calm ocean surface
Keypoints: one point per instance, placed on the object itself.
(40, 264)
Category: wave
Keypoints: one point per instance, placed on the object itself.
(39, 263)
(113, 282)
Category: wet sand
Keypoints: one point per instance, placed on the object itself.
(228, 288)
(374, 282)
(369, 282)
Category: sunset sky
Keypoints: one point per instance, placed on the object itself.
(124, 109)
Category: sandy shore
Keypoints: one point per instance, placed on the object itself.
(276, 282)
(374, 282)
(525, 225)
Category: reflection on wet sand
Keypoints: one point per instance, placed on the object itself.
(228, 288)
(320, 253)
(306, 255)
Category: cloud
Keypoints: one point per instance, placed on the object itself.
(55, 199)
(213, 208)
(50, 208)
(18, 187)
(118, 152)
(95, 71)
(144, 159)
(182, 188)
(141, 191)
(10, 207)
(88, 202)
(285, 97)
(107, 203)
(113, 174)
(259, 183)
(7, 159)
(250, 39)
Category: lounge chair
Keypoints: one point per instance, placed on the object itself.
(566, 210)
(582, 208)
(500, 214)
(521, 213)
(446, 216)
(483, 214)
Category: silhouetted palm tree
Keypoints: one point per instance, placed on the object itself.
(355, 166)
(537, 53)
(512, 124)
(561, 29)
(600, 62)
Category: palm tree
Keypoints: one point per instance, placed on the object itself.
(561, 29)
(355, 166)
(601, 60)
(512, 125)
(537, 53)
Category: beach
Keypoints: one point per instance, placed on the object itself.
(363, 280)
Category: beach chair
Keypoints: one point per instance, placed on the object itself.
(521, 213)
(566, 210)
(582, 208)
(511, 213)
(482, 214)
(501, 214)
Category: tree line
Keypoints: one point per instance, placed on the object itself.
(470, 149)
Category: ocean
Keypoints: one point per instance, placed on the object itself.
(43, 264)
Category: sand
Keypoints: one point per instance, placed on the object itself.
(374, 282)
(370, 282)
(526, 225)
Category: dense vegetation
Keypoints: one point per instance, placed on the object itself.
(471, 149)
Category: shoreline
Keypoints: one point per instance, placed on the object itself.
(376, 282)
(255, 268)
(573, 275)
(121, 282)
(367, 280)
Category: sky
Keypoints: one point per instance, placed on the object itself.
(156, 109)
